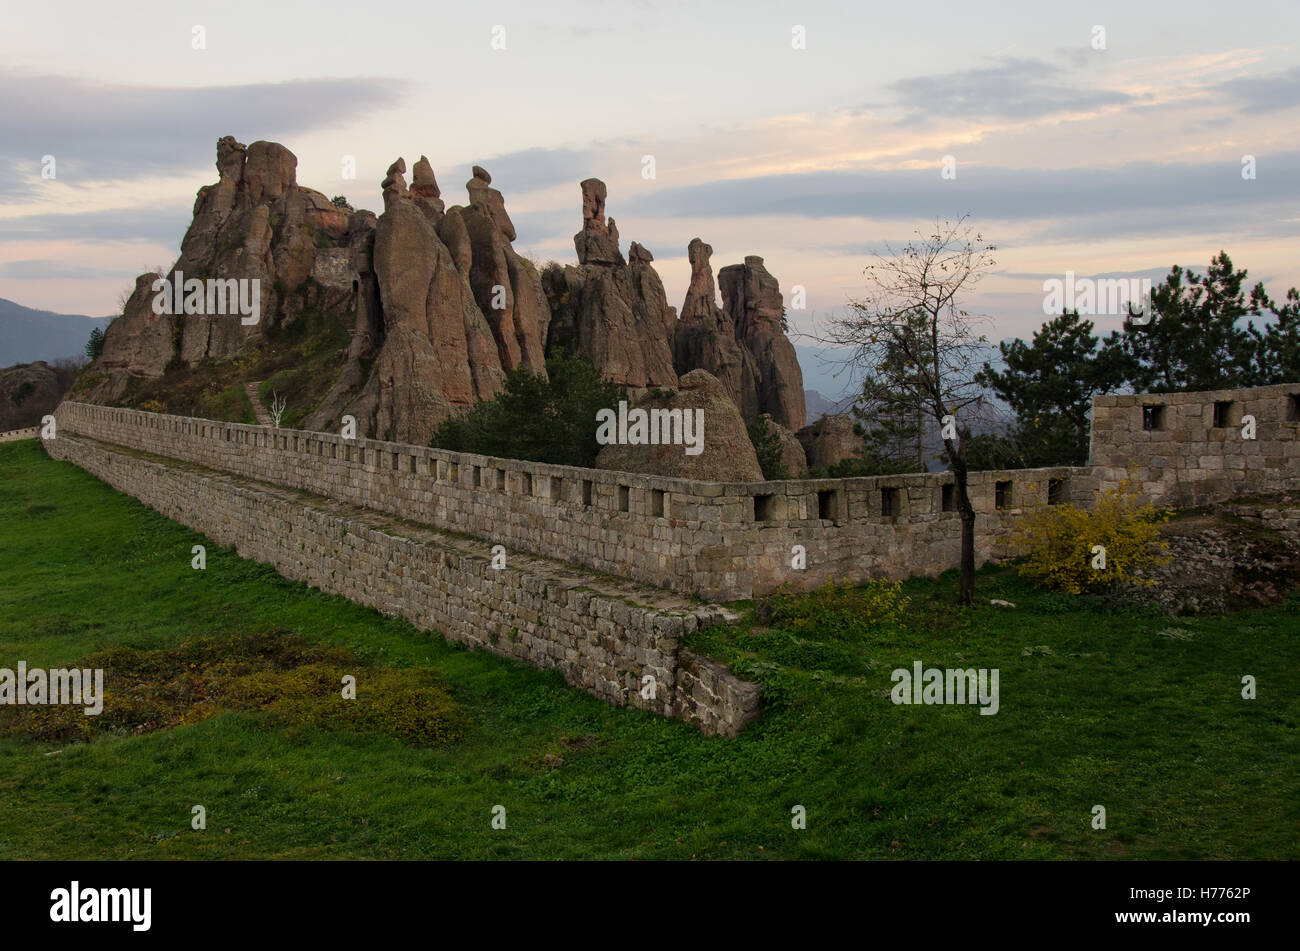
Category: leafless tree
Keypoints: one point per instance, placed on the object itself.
(919, 349)
(276, 408)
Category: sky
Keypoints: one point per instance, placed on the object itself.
(1096, 138)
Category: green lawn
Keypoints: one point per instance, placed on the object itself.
(1096, 708)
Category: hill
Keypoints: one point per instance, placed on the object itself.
(28, 335)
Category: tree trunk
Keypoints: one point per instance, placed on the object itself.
(966, 592)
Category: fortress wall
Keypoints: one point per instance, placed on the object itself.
(601, 643)
(736, 540)
(718, 540)
(1193, 448)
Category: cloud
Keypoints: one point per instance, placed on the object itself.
(54, 270)
(1013, 89)
(1121, 197)
(529, 170)
(1257, 94)
(101, 132)
(161, 225)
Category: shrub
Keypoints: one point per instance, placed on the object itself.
(548, 418)
(768, 447)
(1061, 541)
(841, 611)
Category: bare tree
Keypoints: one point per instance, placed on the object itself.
(919, 349)
(277, 408)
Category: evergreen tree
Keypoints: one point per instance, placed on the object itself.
(548, 418)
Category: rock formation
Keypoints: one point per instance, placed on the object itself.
(255, 223)
(507, 287)
(437, 304)
(29, 391)
(613, 312)
(753, 299)
(742, 343)
(793, 458)
(706, 336)
(830, 440)
(727, 454)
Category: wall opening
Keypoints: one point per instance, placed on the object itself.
(657, 503)
(624, 498)
(477, 476)
(948, 497)
(890, 503)
(828, 504)
(586, 492)
(1293, 407)
(1056, 491)
(1002, 495)
(1153, 417)
(526, 483)
(764, 508)
(1222, 414)
(500, 479)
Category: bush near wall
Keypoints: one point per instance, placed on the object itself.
(1062, 542)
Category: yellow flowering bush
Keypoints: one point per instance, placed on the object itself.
(1076, 550)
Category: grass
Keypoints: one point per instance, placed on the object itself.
(1096, 708)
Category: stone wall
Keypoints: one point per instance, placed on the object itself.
(13, 435)
(1193, 448)
(728, 541)
(602, 641)
(721, 541)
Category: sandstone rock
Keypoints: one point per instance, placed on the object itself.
(752, 298)
(508, 288)
(29, 391)
(793, 458)
(481, 194)
(830, 440)
(727, 456)
(433, 360)
(705, 336)
(597, 242)
(139, 343)
(612, 312)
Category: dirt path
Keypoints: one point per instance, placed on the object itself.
(263, 417)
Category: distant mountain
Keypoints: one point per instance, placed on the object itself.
(819, 406)
(27, 335)
(825, 373)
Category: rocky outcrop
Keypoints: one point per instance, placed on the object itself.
(705, 337)
(436, 357)
(139, 343)
(612, 311)
(255, 224)
(29, 391)
(793, 458)
(725, 452)
(743, 342)
(507, 287)
(437, 304)
(752, 298)
(830, 440)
